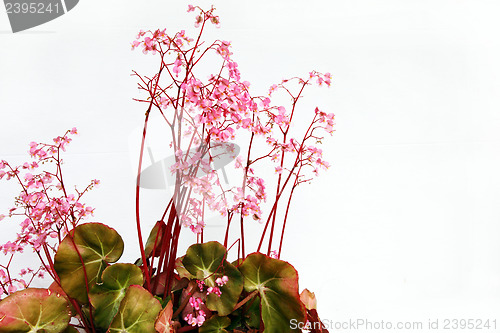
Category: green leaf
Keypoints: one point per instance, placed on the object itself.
(137, 313)
(181, 270)
(252, 312)
(97, 244)
(56, 288)
(202, 260)
(34, 310)
(215, 324)
(277, 283)
(207, 262)
(150, 243)
(230, 292)
(106, 297)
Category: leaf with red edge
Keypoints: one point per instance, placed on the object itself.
(277, 284)
(309, 299)
(94, 244)
(164, 322)
(137, 313)
(54, 287)
(106, 296)
(181, 270)
(34, 310)
(207, 262)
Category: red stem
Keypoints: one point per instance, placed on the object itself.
(137, 196)
(284, 221)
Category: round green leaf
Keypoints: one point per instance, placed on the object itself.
(277, 283)
(230, 292)
(215, 324)
(34, 310)
(137, 312)
(97, 245)
(202, 260)
(207, 262)
(106, 297)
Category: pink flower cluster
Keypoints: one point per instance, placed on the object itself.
(157, 39)
(205, 112)
(220, 106)
(47, 209)
(204, 16)
(220, 282)
(197, 318)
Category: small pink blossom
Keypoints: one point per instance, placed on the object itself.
(198, 21)
(140, 34)
(201, 284)
(135, 44)
(177, 66)
(221, 280)
(214, 290)
(11, 289)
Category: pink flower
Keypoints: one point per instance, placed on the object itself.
(177, 66)
(328, 79)
(201, 318)
(149, 45)
(135, 44)
(201, 284)
(272, 89)
(140, 34)
(214, 290)
(221, 280)
(12, 289)
(199, 19)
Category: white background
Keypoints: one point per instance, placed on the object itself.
(403, 226)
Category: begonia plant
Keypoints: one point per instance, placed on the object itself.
(163, 291)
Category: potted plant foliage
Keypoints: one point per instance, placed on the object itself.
(164, 291)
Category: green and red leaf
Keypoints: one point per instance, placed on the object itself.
(206, 262)
(34, 310)
(215, 324)
(83, 255)
(164, 322)
(106, 297)
(137, 312)
(277, 284)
